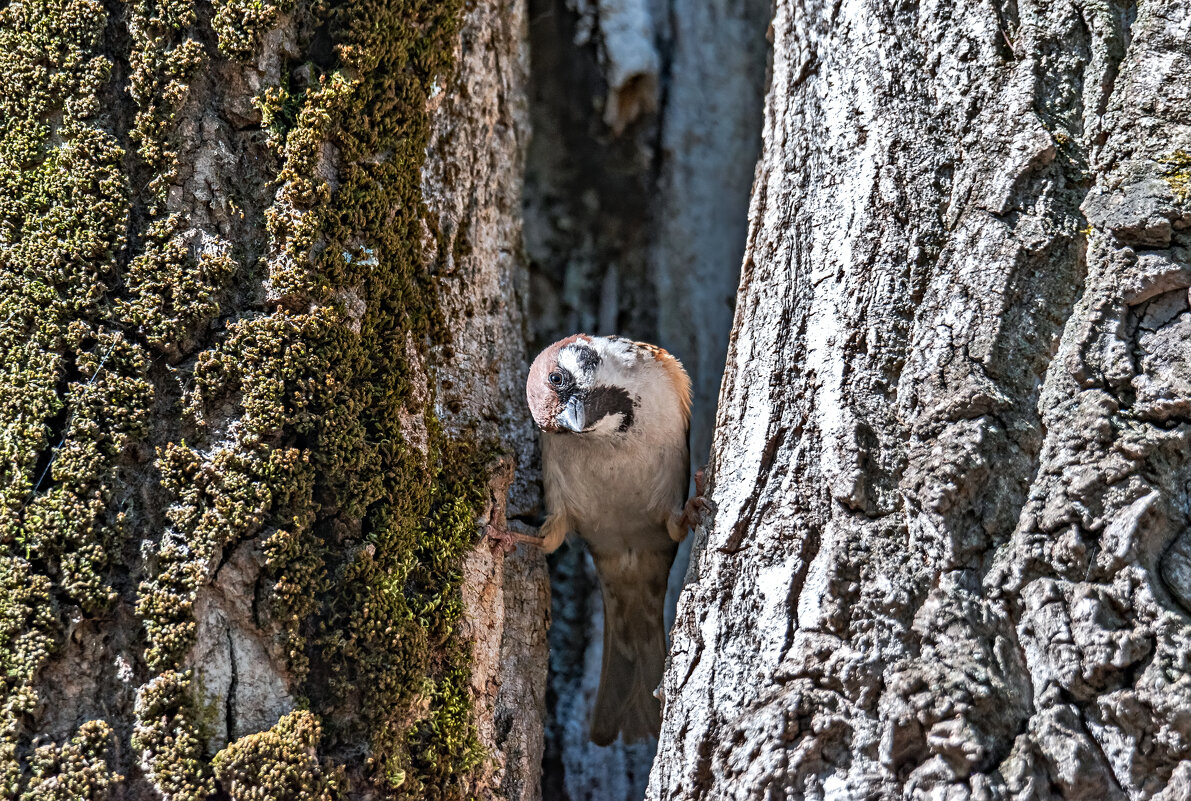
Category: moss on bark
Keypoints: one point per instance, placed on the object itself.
(1177, 174)
(331, 455)
(279, 764)
(73, 392)
(76, 771)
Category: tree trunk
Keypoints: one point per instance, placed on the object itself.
(264, 322)
(262, 356)
(951, 463)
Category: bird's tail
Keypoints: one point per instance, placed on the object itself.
(634, 646)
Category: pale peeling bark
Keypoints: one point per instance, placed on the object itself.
(710, 140)
(950, 461)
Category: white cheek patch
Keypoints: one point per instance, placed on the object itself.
(608, 424)
(569, 361)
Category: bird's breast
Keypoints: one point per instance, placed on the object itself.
(616, 497)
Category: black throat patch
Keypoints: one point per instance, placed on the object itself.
(603, 401)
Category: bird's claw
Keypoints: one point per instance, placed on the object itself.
(697, 505)
(507, 539)
(694, 509)
(501, 539)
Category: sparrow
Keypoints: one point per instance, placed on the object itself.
(614, 417)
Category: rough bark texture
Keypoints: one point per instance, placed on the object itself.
(473, 185)
(262, 353)
(646, 129)
(951, 457)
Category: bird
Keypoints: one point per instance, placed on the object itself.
(614, 417)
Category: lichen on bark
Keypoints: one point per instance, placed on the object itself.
(334, 458)
(167, 381)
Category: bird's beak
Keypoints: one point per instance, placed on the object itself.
(573, 417)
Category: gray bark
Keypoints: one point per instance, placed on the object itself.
(951, 462)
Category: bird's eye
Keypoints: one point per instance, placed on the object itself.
(555, 379)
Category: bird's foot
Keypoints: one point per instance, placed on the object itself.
(693, 510)
(507, 541)
(500, 539)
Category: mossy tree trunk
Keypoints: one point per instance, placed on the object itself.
(261, 353)
(952, 461)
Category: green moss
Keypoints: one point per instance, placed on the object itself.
(241, 23)
(297, 221)
(163, 60)
(391, 632)
(1178, 174)
(172, 293)
(26, 623)
(73, 392)
(70, 522)
(364, 531)
(77, 771)
(333, 457)
(167, 733)
(279, 107)
(280, 764)
(391, 612)
(220, 499)
(162, 68)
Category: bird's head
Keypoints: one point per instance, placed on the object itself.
(573, 388)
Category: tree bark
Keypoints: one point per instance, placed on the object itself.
(950, 462)
(264, 322)
(262, 353)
